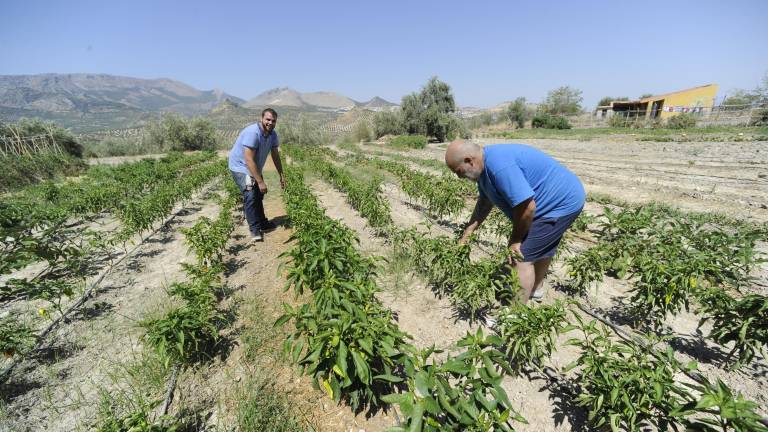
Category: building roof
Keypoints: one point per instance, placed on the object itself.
(662, 96)
(651, 98)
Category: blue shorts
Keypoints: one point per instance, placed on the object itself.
(544, 235)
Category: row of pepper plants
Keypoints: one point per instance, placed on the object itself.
(673, 262)
(622, 384)
(44, 223)
(472, 286)
(349, 344)
(672, 257)
(188, 333)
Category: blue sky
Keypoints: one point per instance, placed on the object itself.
(488, 52)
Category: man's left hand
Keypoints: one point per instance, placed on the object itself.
(282, 182)
(515, 255)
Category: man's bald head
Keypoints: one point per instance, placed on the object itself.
(465, 159)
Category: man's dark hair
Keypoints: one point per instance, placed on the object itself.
(271, 111)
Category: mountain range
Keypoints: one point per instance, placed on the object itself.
(284, 96)
(102, 93)
(90, 101)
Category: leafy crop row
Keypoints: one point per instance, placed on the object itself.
(472, 286)
(189, 332)
(346, 340)
(671, 261)
(36, 225)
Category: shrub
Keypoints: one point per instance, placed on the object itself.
(681, 121)
(409, 141)
(302, 132)
(25, 128)
(174, 132)
(36, 167)
(517, 112)
(388, 123)
(618, 121)
(38, 164)
(759, 117)
(361, 132)
(430, 112)
(563, 100)
(548, 121)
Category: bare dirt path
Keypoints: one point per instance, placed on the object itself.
(255, 279)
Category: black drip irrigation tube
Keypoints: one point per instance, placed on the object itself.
(6, 371)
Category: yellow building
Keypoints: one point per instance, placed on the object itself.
(693, 100)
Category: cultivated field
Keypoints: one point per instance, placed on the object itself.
(158, 315)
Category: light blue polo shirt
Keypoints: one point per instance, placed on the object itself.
(252, 137)
(515, 172)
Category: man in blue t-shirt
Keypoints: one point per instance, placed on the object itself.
(541, 197)
(246, 162)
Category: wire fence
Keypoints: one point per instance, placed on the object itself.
(722, 115)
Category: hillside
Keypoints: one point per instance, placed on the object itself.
(321, 100)
(99, 100)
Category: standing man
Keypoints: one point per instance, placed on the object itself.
(541, 197)
(246, 162)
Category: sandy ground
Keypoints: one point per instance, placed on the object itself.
(433, 321)
(59, 388)
(608, 296)
(729, 178)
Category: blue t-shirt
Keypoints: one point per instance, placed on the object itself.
(251, 137)
(515, 172)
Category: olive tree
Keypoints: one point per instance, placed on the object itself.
(563, 100)
(430, 112)
(517, 112)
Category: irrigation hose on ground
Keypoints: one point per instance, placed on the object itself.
(5, 373)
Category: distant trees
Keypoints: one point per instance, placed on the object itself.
(429, 112)
(517, 112)
(745, 97)
(174, 132)
(388, 123)
(485, 118)
(411, 109)
(438, 106)
(741, 97)
(563, 100)
(608, 99)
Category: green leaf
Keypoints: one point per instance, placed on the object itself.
(341, 358)
(361, 367)
(396, 398)
(416, 418)
(455, 366)
(422, 384)
(388, 378)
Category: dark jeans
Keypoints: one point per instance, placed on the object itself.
(253, 203)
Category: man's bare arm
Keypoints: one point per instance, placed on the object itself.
(482, 208)
(275, 152)
(250, 162)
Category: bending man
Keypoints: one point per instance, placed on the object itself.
(246, 162)
(541, 197)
